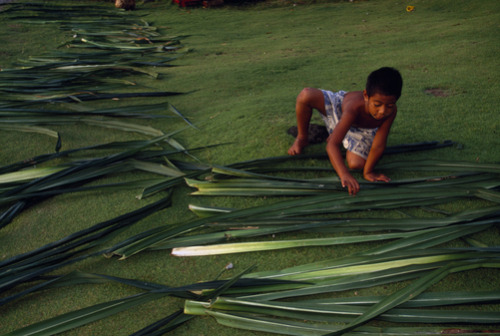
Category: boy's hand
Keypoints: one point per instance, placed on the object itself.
(373, 177)
(350, 182)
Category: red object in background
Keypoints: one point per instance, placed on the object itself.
(184, 3)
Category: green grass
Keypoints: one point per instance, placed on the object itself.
(246, 65)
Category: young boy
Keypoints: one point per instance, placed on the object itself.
(360, 120)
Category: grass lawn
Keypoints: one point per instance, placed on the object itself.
(243, 67)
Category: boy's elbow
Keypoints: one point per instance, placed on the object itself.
(331, 146)
(329, 143)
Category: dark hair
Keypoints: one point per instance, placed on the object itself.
(386, 81)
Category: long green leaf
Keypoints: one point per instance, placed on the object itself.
(33, 129)
(287, 327)
(345, 313)
(84, 316)
(29, 174)
(275, 245)
(411, 291)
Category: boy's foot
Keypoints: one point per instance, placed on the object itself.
(297, 146)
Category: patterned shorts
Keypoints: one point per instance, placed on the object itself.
(357, 140)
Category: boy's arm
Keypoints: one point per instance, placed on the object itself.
(376, 151)
(334, 153)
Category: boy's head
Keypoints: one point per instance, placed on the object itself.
(385, 81)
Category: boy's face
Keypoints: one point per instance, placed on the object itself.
(380, 106)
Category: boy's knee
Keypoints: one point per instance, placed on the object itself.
(305, 95)
(356, 166)
(355, 162)
(312, 98)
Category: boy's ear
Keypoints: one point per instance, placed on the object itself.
(365, 95)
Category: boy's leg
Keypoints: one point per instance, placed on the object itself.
(354, 161)
(358, 143)
(307, 100)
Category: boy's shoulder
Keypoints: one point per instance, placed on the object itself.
(354, 95)
(353, 101)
